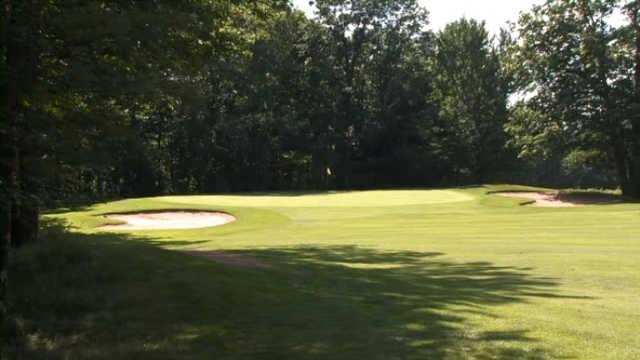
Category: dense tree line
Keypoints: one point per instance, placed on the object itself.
(583, 75)
(362, 96)
(121, 98)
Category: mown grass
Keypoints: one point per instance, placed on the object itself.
(378, 275)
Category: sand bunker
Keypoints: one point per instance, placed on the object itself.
(539, 198)
(553, 199)
(168, 220)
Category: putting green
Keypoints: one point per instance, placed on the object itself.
(333, 199)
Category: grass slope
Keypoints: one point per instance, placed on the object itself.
(433, 274)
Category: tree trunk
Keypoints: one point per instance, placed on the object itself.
(7, 181)
(24, 225)
(635, 111)
(6, 169)
(18, 75)
(623, 167)
(5, 244)
(635, 174)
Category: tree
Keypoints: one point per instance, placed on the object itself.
(632, 10)
(371, 40)
(78, 74)
(18, 60)
(580, 72)
(472, 97)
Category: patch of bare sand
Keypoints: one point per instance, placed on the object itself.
(539, 198)
(553, 199)
(168, 220)
(227, 258)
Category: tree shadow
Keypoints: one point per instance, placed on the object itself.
(595, 198)
(284, 194)
(103, 296)
(62, 210)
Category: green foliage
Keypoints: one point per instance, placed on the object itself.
(471, 97)
(533, 133)
(139, 98)
(202, 96)
(580, 72)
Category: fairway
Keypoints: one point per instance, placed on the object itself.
(407, 274)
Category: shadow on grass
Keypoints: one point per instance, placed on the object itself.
(575, 197)
(62, 210)
(594, 198)
(107, 296)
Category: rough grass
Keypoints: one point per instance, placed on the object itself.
(377, 275)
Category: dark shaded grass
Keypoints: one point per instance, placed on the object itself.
(108, 296)
(578, 197)
(594, 198)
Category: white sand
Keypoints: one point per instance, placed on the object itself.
(540, 199)
(168, 220)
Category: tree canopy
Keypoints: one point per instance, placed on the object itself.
(582, 73)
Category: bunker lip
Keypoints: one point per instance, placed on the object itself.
(555, 199)
(167, 220)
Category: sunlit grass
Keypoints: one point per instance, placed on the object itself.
(408, 274)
